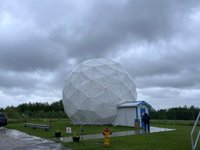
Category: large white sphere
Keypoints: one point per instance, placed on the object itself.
(93, 90)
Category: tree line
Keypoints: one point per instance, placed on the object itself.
(56, 110)
(176, 113)
(36, 110)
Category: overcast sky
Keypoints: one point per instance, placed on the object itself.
(156, 41)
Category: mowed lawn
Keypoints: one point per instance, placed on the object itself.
(172, 140)
(60, 125)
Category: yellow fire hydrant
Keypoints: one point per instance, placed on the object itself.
(107, 134)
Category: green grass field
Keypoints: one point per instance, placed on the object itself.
(60, 125)
(173, 140)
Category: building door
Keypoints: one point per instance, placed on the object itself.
(142, 111)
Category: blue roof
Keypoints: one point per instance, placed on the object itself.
(134, 104)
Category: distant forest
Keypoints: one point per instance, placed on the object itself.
(36, 110)
(176, 113)
(56, 110)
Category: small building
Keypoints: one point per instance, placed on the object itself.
(131, 111)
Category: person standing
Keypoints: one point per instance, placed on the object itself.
(146, 120)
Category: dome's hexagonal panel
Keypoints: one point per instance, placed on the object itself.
(93, 90)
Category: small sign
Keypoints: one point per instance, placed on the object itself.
(68, 129)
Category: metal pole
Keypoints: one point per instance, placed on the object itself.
(192, 140)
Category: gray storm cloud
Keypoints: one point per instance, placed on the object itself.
(156, 41)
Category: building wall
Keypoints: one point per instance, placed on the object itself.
(126, 117)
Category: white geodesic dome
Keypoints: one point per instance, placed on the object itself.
(93, 90)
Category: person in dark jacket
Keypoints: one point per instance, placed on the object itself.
(146, 120)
